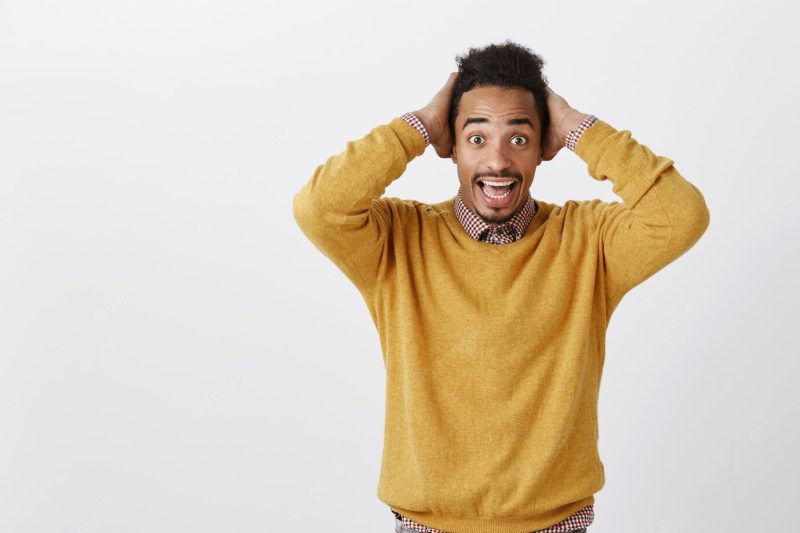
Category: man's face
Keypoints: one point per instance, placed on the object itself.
(497, 140)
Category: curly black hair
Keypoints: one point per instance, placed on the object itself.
(505, 65)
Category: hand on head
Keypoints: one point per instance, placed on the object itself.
(435, 117)
(563, 119)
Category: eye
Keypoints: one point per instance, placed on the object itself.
(471, 137)
(520, 138)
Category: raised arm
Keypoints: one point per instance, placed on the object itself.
(661, 216)
(339, 208)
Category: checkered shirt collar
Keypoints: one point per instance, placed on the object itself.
(505, 233)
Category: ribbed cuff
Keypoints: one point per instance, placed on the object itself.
(574, 135)
(413, 143)
(414, 121)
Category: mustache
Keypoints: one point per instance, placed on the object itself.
(502, 174)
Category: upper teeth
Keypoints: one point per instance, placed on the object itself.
(497, 183)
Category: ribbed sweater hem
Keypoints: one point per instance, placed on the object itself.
(456, 524)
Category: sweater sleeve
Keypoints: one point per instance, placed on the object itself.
(339, 208)
(662, 215)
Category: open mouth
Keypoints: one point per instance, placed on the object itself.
(497, 192)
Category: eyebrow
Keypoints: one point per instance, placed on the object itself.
(511, 122)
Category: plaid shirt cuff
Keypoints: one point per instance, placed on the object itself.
(415, 122)
(575, 135)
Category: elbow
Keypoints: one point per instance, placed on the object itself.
(693, 221)
(704, 218)
(701, 216)
(304, 212)
(312, 216)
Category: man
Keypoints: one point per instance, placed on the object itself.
(491, 306)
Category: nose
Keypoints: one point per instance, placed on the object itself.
(497, 158)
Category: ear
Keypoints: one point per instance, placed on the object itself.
(453, 154)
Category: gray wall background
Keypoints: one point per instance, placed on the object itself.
(175, 356)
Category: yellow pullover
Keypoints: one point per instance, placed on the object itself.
(494, 353)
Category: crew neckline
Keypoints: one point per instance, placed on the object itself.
(447, 209)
